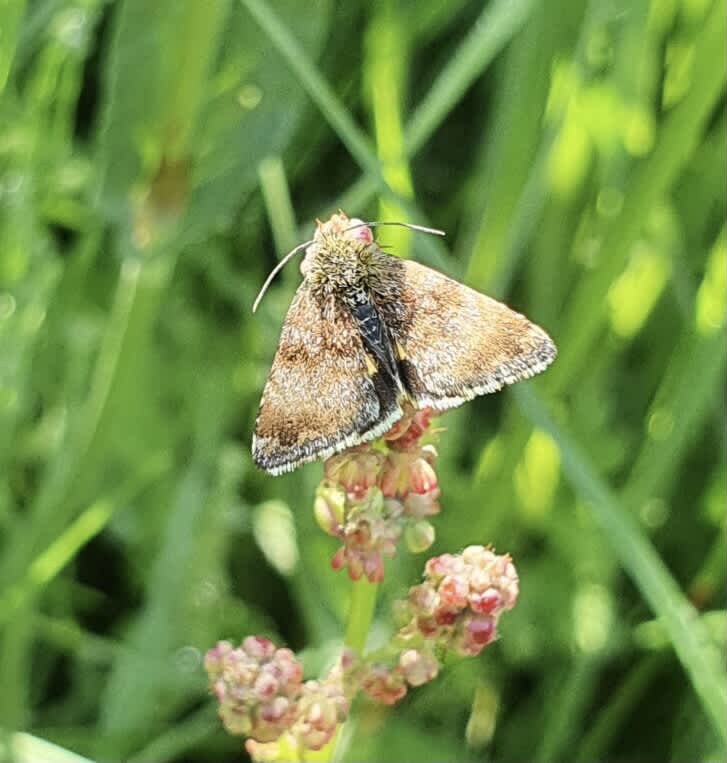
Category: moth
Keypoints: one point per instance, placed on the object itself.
(367, 335)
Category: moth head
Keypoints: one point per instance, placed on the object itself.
(338, 246)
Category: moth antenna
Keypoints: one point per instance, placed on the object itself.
(276, 270)
(410, 226)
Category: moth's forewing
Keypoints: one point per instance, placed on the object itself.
(321, 395)
(458, 343)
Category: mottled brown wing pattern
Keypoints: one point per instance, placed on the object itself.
(320, 397)
(457, 343)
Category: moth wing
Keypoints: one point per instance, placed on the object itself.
(458, 343)
(323, 394)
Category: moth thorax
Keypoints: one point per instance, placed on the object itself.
(340, 265)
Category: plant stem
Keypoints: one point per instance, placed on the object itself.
(360, 614)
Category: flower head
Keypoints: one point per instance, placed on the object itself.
(321, 708)
(261, 695)
(461, 599)
(256, 686)
(369, 497)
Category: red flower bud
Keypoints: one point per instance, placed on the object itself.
(486, 602)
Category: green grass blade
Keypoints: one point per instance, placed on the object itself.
(181, 737)
(491, 31)
(12, 13)
(25, 748)
(650, 180)
(276, 194)
(316, 86)
(46, 566)
(595, 743)
(512, 151)
(386, 67)
(638, 557)
(334, 111)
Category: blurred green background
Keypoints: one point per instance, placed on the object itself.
(156, 159)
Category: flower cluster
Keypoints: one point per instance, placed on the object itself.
(460, 601)
(387, 681)
(369, 496)
(261, 695)
(257, 687)
(455, 609)
(260, 689)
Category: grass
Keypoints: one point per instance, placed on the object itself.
(154, 163)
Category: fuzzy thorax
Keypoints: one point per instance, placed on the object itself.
(343, 259)
(341, 267)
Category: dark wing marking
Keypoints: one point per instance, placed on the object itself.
(319, 398)
(374, 335)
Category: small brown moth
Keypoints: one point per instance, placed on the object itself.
(368, 333)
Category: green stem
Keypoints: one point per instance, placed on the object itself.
(360, 614)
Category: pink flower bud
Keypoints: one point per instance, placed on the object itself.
(418, 666)
(383, 683)
(445, 616)
(473, 635)
(439, 566)
(393, 477)
(486, 602)
(355, 471)
(428, 627)
(374, 568)
(274, 710)
(409, 439)
(479, 556)
(422, 505)
(259, 648)
(266, 687)
(339, 559)
(422, 599)
(453, 592)
(348, 660)
(214, 660)
(422, 478)
(481, 630)
(322, 707)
